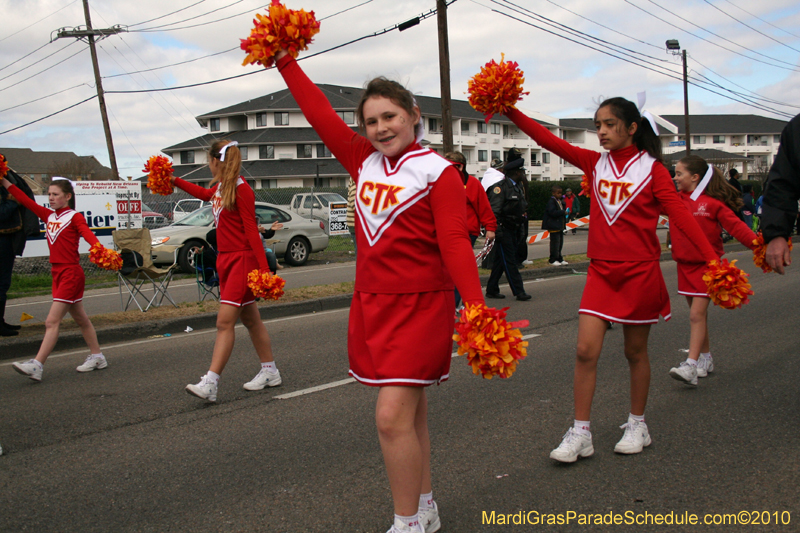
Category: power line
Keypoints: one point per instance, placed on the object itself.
(345, 10)
(752, 28)
(48, 116)
(26, 55)
(44, 97)
(39, 61)
(161, 28)
(45, 70)
(762, 20)
(168, 14)
(38, 21)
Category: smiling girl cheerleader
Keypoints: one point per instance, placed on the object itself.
(240, 252)
(63, 227)
(714, 204)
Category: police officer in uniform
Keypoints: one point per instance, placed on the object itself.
(509, 205)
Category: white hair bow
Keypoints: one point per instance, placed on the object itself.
(224, 148)
(642, 97)
(703, 183)
(56, 178)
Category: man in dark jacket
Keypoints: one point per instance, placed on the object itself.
(555, 222)
(10, 223)
(781, 193)
(509, 206)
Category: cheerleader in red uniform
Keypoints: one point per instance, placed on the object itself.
(240, 251)
(63, 227)
(714, 204)
(629, 186)
(412, 243)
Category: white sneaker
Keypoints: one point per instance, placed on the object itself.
(634, 440)
(429, 518)
(555, 263)
(93, 361)
(29, 368)
(705, 365)
(263, 379)
(564, 263)
(573, 445)
(685, 372)
(527, 262)
(206, 389)
(400, 527)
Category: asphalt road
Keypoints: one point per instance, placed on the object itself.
(101, 301)
(125, 449)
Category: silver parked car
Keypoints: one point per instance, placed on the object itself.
(298, 238)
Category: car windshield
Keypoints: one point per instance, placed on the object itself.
(201, 217)
(330, 197)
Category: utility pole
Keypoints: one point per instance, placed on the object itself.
(444, 76)
(686, 106)
(90, 35)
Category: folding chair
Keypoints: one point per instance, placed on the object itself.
(138, 271)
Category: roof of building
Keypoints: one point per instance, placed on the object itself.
(727, 124)
(709, 154)
(26, 161)
(581, 123)
(271, 135)
(270, 169)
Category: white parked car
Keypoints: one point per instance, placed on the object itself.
(298, 238)
(315, 206)
(184, 208)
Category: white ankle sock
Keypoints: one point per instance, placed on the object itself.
(270, 367)
(583, 426)
(426, 501)
(691, 362)
(707, 354)
(635, 418)
(410, 521)
(98, 355)
(213, 376)
(37, 363)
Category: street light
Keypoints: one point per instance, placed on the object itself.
(674, 47)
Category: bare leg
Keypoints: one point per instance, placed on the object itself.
(421, 425)
(80, 317)
(251, 319)
(636, 352)
(52, 324)
(396, 418)
(591, 332)
(698, 320)
(226, 335)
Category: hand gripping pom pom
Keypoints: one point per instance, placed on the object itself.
(105, 258)
(3, 166)
(159, 174)
(585, 187)
(265, 284)
(727, 285)
(282, 29)
(492, 345)
(760, 253)
(496, 88)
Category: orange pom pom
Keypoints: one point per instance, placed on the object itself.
(282, 29)
(760, 253)
(585, 187)
(727, 285)
(492, 345)
(3, 166)
(265, 284)
(159, 174)
(497, 88)
(105, 258)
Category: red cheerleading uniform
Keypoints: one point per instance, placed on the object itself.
(238, 242)
(411, 231)
(63, 229)
(628, 192)
(711, 215)
(479, 210)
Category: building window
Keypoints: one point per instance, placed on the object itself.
(349, 117)
(546, 158)
(261, 120)
(187, 157)
(214, 124)
(495, 154)
(243, 151)
(718, 139)
(281, 119)
(432, 127)
(483, 155)
(266, 151)
(699, 139)
(495, 127)
(303, 151)
(323, 151)
(464, 126)
(506, 130)
(481, 126)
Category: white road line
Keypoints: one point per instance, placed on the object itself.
(314, 389)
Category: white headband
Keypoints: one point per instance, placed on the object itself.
(642, 96)
(703, 183)
(224, 148)
(421, 123)
(56, 178)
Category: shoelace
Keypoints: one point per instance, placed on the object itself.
(630, 430)
(568, 437)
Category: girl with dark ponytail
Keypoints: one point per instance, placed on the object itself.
(629, 186)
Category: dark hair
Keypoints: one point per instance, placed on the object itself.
(718, 187)
(386, 88)
(556, 188)
(644, 138)
(459, 159)
(67, 188)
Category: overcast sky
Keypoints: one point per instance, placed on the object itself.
(752, 48)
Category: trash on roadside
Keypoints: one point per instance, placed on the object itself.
(504, 475)
(159, 336)
(25, 316)
(188, 329)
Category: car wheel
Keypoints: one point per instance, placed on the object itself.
(297, 251)
(186, 255)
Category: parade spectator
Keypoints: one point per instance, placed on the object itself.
(510, 208)
(266, 234)
(413, 242)
(240, 251)
(733, 174)
(573, 206)
(781, 197)
(524, 228)
(554, 221)
(479, 212)
(493, 174)
(10, 223)
(748, 208)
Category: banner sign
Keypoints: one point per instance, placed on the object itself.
(337, 219)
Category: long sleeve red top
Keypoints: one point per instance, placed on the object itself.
(424, 245)
(236, 228)
(479, 210)
(63, 229)
(632, 236)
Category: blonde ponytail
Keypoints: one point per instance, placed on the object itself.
(229, 173)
